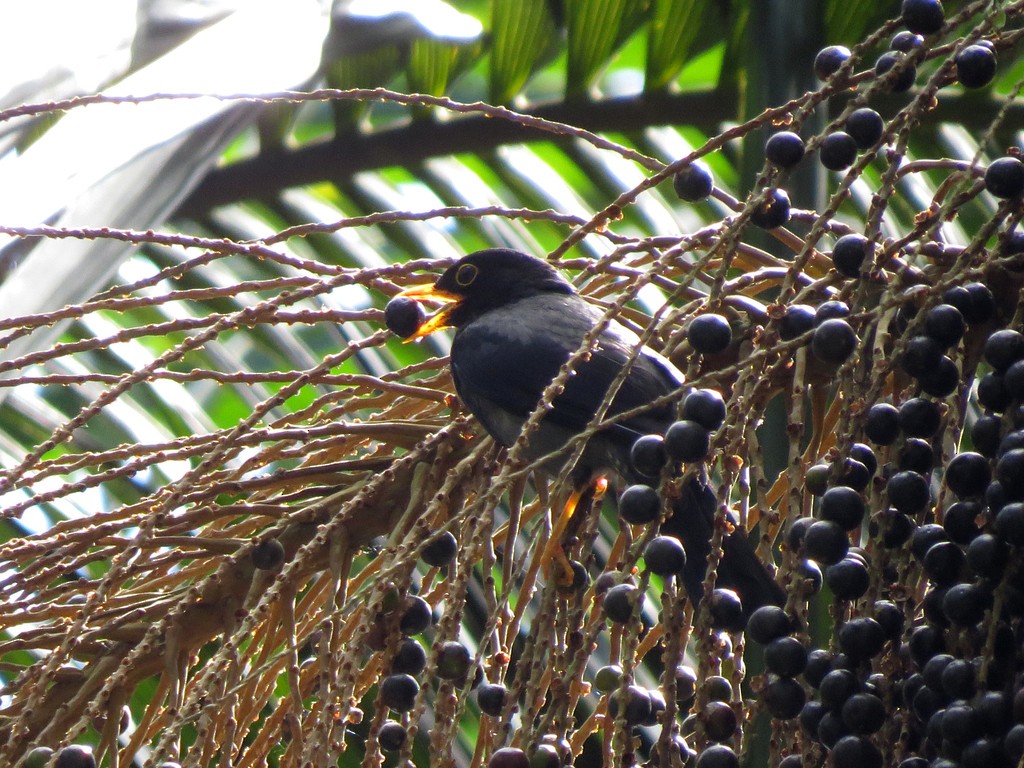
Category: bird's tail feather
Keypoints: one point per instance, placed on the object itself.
(740, 569)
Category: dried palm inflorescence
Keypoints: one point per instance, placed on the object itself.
(253, 597)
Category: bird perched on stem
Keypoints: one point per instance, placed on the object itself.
(518, 321)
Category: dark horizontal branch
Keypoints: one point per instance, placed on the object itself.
(263, 177)
(266, 175)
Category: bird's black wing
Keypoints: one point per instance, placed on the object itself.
(506, 358)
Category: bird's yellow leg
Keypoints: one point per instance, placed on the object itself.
(553, 552)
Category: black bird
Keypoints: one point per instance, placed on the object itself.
(517, 321)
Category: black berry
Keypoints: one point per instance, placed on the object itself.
(1010, 473)
(905, 77)
(768, 623)
(639, 504)
(1004, 178)
(968, 474)
(993, 393)
(838, 151)
(925, 537)
(399, 692)
(919, 417)
(508, 757)
(945, 324)
(773, 211)
(1014, 380)
(268, 555)
(1004, 348)
(905, 41)
(831, 310)
(826, 542)
(410, 659)
(960, 521)
(453, 661)
(784, 697)
(882, 424)
(833, 341)
(855, 752)
(441, 550)
(921, 355)
(726, 610)
(849, 254)
(75, 756)
(403, 316)
(848, 579)
(392, 736)
(863, 453)
(1010, 523)
(619, 602)
(975, 66)
(799, 319)
(491, 698)
(983, 303)
(706, 407)
(965, 604)
(908, 492)
(861, 638)
(889, 617)
(784, 149)
(717, 756)
(922, 17)
(865, 126)
(693, 182)
(987, 556)
(843, 506)
(416, 616)
(785, 656)
(665, 556)
(863, 713)
(687, 441)
(819, 664)
(836, 687)
(709, 334)
(829, 60)
(637, 704)
(648, 455)
(942, 380)
(943, 562)
(986, 434)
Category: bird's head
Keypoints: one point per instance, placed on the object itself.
(483, 281)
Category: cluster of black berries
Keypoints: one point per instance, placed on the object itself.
(719, 718)
(952, 688)
(833, 339)
(453, 661)
(785, 657)
(549, 752)
(686, 441)
(841, 509)
(71, 756)
(850, 701)
(944, 326)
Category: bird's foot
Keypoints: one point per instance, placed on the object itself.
(554, 553)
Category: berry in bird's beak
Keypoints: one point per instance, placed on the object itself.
(425, 293)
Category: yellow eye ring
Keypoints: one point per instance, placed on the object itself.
(466, 274)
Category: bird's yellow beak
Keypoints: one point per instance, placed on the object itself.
(425, 293)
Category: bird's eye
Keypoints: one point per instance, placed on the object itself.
(466, 274)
